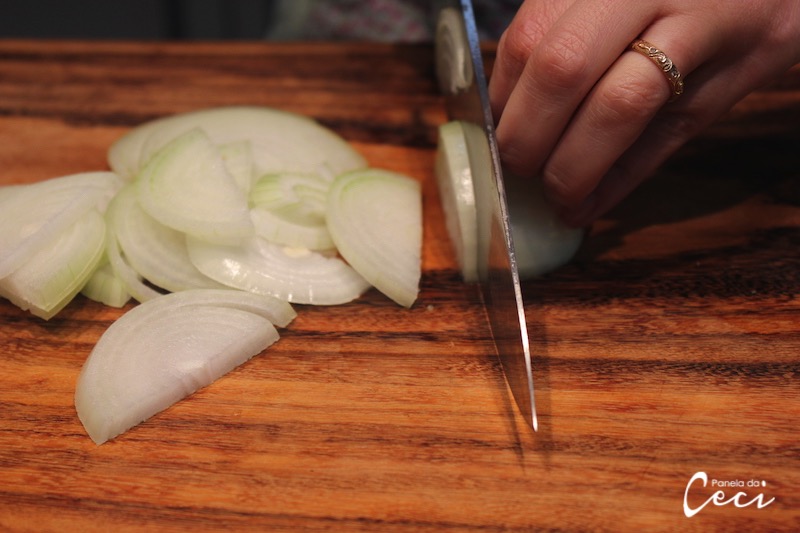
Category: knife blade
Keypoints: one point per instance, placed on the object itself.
(464, 86)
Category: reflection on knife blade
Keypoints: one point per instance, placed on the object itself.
(463, 82)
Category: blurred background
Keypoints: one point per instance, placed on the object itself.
(381, 20)
(139, 19)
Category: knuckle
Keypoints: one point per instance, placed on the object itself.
(562, 61)
(516, 44)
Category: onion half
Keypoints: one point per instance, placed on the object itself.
(542, 243)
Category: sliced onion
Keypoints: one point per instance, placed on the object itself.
(453, 59)
(375, 219)
(55, 274)
(157, 253)
(289, 209)
(186, 186)
(165, 349)
(33, 216)
(238, 158)
(281, 141)
(123, 271)
(454, 177)
(106, 288)
(296, 275)
(542, 242)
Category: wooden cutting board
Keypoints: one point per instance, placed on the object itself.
(670, 347)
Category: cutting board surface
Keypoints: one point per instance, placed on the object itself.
(669, 347)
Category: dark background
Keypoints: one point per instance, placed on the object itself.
(135, 19)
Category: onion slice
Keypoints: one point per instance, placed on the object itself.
(297, 275)
(238, 158)
(165, 349)
(106, 288)
(289, 209)
(542, 242)
(53, 276)
(187, 187)
(281, 141)
(457, 195)
(375, 219)
(453, 59)
(34, 216)
(157, 253)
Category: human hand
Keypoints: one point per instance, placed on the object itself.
(594, 121)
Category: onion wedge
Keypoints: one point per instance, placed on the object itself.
(297, 275)
(375, 220)
(34, 216)
(55, 274)
(165, 349)
(186, 187)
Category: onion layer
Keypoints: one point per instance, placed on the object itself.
(375, 219)
(165, 349)
(187, 187)
(280, 141)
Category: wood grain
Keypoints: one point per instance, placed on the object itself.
(670, 346)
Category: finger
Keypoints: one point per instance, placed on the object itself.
(530, 24)
(560, 72)
(619, 109)
(664, 135)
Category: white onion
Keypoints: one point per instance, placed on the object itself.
(296, 275)
(233, 250)
(106, 288)
(33, 216)
(165, 349)
(457, 195)
(56, 273)
(542, 242)
(453, 59)
(238, 158)
(186, 187)
(154, 251)
(289, 209)
(375, 219)
(281, 141)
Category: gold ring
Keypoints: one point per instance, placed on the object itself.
(663, 62)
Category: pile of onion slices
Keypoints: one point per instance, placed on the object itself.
(217, 221)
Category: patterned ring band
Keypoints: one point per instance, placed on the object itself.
(663, 62)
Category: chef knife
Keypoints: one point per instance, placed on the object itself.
(463, 82)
